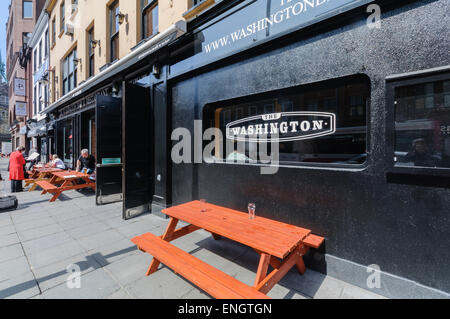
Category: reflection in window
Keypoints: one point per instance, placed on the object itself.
(422, 125)
(346, 98)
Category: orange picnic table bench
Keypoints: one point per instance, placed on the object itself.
(39, 175)
(280, 245)
(64, 181)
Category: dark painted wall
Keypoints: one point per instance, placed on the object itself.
(404, 229)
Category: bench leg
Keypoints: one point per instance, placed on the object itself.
(301, 266)
(276, 275)
(55, 197)
(262, 268)
(168, 234)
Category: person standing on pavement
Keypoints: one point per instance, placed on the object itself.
(16, 170)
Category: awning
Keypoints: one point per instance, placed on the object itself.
(39, 129)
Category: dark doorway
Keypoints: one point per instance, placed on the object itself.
(137, 150)
(108, 138)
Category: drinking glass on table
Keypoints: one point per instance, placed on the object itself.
(251, 210)
(203, 205)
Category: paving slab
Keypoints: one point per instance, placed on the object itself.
(94, 285)
(35, 233)
(130, 268)
(11, 252)
(88, 230)
(8, 240)
(13, 268)
(34, 223)
(20, 287)
(113, 252)
(7, 230)
(55, 254)
(38, 245)
(163, 284)
(57, 273)
(103, 238)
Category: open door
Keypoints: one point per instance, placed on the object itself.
(137, 151)
(108, 127)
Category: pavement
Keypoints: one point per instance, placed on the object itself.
(73, 249)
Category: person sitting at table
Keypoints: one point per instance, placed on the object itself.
(86, 162)
(57, 162)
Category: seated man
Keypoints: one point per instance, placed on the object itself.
(86, 162)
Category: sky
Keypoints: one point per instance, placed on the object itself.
(4, 4)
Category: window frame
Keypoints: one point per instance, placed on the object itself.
(23, 9)
(114, 37)
(90, 51)
(290, 90)
(62, 16)
(69, 75)
(391, 85)
(150, 5)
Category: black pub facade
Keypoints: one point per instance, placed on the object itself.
(358, 93)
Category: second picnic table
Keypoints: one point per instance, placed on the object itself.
(67, 181)
(40, 174)
(280, 245)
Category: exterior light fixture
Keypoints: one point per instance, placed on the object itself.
(122, 17)
(76, 61)
(94, 43)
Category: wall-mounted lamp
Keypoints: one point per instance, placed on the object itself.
(76, 61)
(94, 43)
(122, 17)
(156, 71)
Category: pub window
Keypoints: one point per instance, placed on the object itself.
(91, 53)
(68, 143)
(40, 53)
(422, 125)
(114, 11)
(321, 124)
(69, 72)
(149, 18)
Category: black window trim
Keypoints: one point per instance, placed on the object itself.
(391, 84)
(302, 165)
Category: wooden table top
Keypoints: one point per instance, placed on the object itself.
(70, 174)
(265, 235)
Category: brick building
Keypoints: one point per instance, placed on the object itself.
(23, 15)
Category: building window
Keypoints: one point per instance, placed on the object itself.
(35, 99)
(314, 124)
(27, 12)
(69, 72)
(40, 53)
(62, 12)
(74, 5)
(149, 18)
(422, 125)
(46, 43)
(35, 60)
(91, 52)
(114, 30)
(53, 31)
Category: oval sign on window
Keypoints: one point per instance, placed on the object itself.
(284, 127)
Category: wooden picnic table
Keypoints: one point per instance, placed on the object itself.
(40, 174)
(64, 181)
(279, 245)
